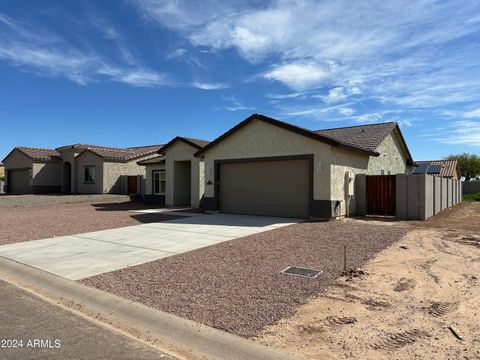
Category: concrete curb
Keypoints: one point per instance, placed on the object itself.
(188, 337)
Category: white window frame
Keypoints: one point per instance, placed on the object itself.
(161, 178)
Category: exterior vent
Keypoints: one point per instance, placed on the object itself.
(299, 271)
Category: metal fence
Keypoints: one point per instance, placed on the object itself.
(471, 187)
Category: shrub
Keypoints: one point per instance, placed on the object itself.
(471, 197)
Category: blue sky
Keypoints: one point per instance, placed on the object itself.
(138, 72)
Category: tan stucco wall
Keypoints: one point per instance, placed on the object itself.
(113, 172)
(46, 174)
(179, 151)
(391, 159)
(17, 160)
(260, 139)
(148, 177)
(89, 159)
(2, 170)
(69, 155)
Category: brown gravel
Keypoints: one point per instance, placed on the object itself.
(22, 224)
(28, 201)
(237, 285)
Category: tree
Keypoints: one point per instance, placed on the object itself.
(469, 164)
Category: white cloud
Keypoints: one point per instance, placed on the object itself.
(208, 86)
(346, 111)
(412, 54)
(460, 133)
(176, 54)
(298, 76)
(37, 51)
(472, 114)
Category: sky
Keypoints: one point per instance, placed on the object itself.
(140, 72)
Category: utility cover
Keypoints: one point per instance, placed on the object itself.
(299, 271)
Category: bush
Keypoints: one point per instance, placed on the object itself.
(471, 197)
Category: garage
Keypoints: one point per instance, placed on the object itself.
(19, 181)
(273, 187)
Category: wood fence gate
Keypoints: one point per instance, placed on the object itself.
(381, 197)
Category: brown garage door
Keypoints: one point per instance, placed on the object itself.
(19, 181)
(275, 188)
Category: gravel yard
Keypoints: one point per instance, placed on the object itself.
(40, 222)
(28, 201)
(237, 285)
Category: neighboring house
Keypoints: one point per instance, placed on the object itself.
(264, 166)
(176, 177)
(2, 170)
(443, 168)
(78, 168)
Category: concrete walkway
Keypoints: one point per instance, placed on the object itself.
(84, 255)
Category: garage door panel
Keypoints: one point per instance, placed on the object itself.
(19, 181)
(278, 188)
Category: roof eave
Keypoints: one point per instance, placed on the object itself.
(286, 126)
(174, 140)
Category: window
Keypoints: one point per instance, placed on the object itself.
(89, 174)
(382, 172)
(159, 186)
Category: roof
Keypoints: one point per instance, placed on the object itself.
(153, 161)
(195, 143)
(123, 154)
(449, 167)
(363, 138)
(366, 137)
(109, 153)
(37, 153)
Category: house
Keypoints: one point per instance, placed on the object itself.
(443, 168)
(78, 168)
(2, 170)
(264, 166)
(175, 178)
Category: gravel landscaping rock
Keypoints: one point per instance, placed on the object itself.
(237, 286)
(22, 224)
(28, 201)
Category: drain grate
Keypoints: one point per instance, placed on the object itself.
(299, 271)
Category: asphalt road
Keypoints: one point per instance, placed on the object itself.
(50, 332)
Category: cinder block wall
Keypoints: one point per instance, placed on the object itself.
(421, 196)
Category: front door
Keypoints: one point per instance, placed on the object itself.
(132, 185)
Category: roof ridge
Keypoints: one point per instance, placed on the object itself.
(33, 148)
(355, 126)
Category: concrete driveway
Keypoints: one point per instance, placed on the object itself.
(84, 255)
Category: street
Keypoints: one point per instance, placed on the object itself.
(34, 329)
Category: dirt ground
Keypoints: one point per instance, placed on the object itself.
(41, 222)
(407, 304)
(237, 285)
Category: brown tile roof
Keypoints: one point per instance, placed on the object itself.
(39, 153)
(366, 137)
(124, 154)
(449, 167)
(106, 152)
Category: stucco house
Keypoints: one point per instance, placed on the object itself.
(175, 178)
(78, 168)
(264, 166)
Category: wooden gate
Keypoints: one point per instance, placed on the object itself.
(132, 185)
(381, 196)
